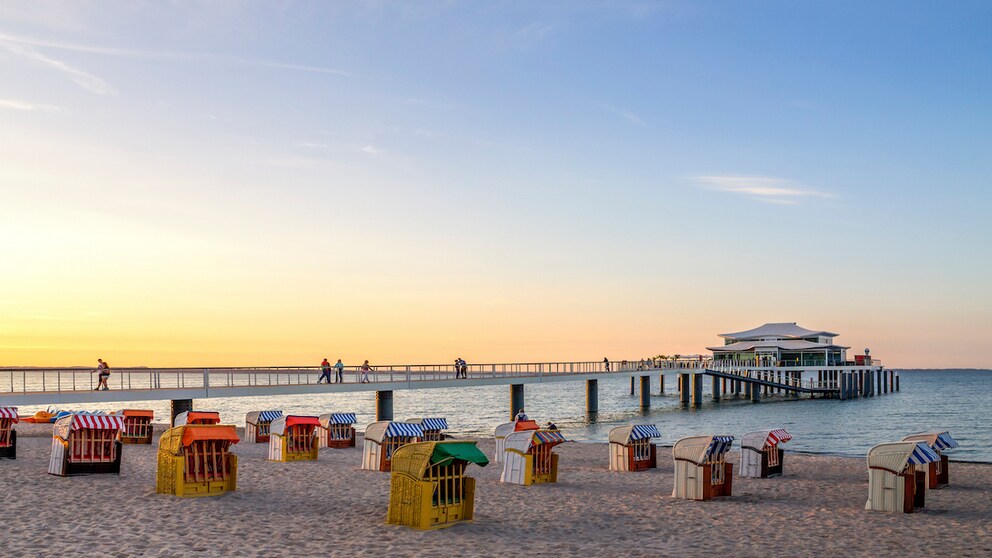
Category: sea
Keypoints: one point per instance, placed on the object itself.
(958, 401)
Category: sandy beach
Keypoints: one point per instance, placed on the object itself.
(330, 507)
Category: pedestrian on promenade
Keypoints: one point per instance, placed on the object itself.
(339, 376)
(606, 363)
(104, 369)
(458, 368)
(464, 368)
(365, 372)
(325, 371)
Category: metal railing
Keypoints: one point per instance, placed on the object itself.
(55, 380)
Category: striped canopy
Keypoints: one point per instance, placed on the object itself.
(775, 437)
(434, 423)
(719, 445)
(642, 431)
(80, 421)
(342, 418)
(548, 437)
(405, 429)
(922, 454)
(268, 416)
(944, 441)
(9, 413)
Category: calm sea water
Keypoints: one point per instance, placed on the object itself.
(957, 401)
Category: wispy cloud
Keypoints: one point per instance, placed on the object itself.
(83, 79)
(166, 55)
(13, 104)
(625, 114)
(371, 150)
(763, 188)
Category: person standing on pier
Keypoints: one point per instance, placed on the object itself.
(365, 372)
(339, 374)
(104, 369)
(606, 363)
(325, 371)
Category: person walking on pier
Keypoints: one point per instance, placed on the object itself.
(339, 372)
(325, 371)
(365, 372)
(104, 369)
(606, 363)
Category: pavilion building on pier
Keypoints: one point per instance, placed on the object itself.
(780, 344)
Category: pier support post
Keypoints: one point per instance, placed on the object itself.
(661, 390)
(180, 406)
(645, 392)
(684, 388)
(592, 396)
(842, 386)
(755, 392)
(632, 385)
(878, 382)
(516, 399)
(897, 382)
(885, 381)
(716, 388)
(697, 390)
(384, 405)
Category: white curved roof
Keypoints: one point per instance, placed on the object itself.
(504, 429)
(782, 329)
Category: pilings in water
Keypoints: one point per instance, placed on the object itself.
(516, 399)
(684, 388)
(661, 378)
(697, 390)
(645, 392)
(180, 406)
(897, 382)
(592, 396)
(716, 387)
(384, 405)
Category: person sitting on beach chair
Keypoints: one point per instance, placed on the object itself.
(521, 415)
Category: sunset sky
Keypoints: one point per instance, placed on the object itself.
(228, 183)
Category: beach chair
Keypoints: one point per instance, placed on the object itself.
(938, 472)
(336, 430)
(196, 417)
(432, 428)
(428, 487)
(195, 460)
(631, 448)
(507, 428)
(257, 425)
(701, 468)
(8, 436)
(137, 427)
(382, 439)
(293, 438)
(894, 483)
(86, 444)
(528, 457)
(761, 456)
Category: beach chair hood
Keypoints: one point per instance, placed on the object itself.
(894, 456)
(280, 424)
(256, 417)
(379, 431)
(415, 458)
(626, 434)
(697, 449)
(9, 413)
(938, 441)
(175, 439)
(523, 441)
(761, 440)
(430, 423)
(503, 429)
(337, 418)
(70, 423)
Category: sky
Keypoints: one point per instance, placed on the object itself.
(239, 184)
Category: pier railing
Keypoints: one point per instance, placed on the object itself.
(55, 380)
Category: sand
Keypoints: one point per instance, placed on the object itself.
(332, 508)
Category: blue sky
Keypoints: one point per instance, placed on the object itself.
(652, 172)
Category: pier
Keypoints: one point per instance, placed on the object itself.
(50, 386)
